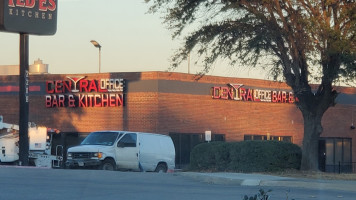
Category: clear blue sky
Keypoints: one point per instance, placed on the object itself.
(131, 40)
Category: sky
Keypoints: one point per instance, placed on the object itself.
(132, 40)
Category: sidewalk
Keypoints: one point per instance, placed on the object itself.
(268, 180)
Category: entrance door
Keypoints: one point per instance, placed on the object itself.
(322, 155)
(127, 152)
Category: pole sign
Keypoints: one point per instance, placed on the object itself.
(37, 17)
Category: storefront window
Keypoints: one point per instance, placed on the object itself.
(335, 154)
(329, 147)
(338, 150)
(287, 139)
(257, 137)
(267, 137)
(347, 150)
(248, 137)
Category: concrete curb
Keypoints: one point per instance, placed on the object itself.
(266, 180)
(23, 167)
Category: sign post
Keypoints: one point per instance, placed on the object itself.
(24, 98)
(38, 17)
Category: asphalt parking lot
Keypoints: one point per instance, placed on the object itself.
(43, 183)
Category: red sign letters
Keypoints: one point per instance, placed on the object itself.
(239, 93)
(78, 92)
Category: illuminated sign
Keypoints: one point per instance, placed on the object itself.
(79, 92)
(239, 93)
(37, 17)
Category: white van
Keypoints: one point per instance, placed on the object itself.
(111, 150)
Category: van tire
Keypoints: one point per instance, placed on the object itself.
(161, 168)
(108, 164)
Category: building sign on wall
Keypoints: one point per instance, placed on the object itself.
(239, 93)
(79, 92)
(37, 17)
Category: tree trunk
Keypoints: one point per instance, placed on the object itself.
(310, 147)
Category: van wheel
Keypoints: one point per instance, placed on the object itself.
(161, 168)
(108, 164)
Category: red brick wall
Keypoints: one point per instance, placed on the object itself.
(196, 114)
(9, 108)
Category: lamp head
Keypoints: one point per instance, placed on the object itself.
(95, 43)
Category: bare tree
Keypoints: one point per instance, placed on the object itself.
(297, 37)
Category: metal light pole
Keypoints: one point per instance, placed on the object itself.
(97, 45)
(189, 63)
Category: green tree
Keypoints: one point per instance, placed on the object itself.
(297, 37)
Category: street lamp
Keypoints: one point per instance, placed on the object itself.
(97, 45)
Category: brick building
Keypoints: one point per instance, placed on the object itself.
(180, 105)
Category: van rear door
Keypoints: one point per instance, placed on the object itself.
(126, 152)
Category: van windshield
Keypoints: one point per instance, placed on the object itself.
(101, 138)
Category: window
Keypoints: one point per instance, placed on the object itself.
(335, 154)
(218, 137)
(268, 137)
(258, 137)
(101, 138)
(248, 137)
(129, 140)
(287, 139)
